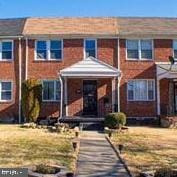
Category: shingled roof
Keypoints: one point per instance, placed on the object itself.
(90, 26)
(71, 26)
(12, 27)
(147, 26)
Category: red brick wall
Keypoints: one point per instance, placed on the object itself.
(141, 70)
(72, 52)
(163, 49)
(10, 71)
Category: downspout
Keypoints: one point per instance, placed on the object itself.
(119, 77)
(26, 59)
(20, 80)
(61, 99)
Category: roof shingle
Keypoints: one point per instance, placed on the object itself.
(70, 26)
(12, 27)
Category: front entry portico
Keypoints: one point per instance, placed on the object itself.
(89, 89)
(167, 89)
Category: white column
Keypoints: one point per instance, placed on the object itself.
(66, 96)
(158, 96)
(113, 94)
(61, 98)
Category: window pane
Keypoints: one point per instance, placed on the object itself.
(55, 45)
(175, 53)
(48, 90)
(6, 95)
(90, 44)
(41, 54)
(41, 45)
(133, 54)
(6, 86)
(175, 44)
(130, 90)
(7, 46)
(141, 90)
(55, 54)
(58, 90)
(146, 44)
(90, 53)
(150, 90)
(146, 54)
(7, 55)
(132, 44)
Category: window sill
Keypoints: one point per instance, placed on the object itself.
(48, 60)
(139, 60)
(6, 60)
(5, 101)
(140, 101)
(51, 101)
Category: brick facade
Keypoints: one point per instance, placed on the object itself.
(107, 51)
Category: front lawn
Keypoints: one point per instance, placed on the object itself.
(25, 147)
(148, 148)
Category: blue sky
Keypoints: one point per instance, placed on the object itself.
(40, 8)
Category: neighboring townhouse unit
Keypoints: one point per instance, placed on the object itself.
(90, 66)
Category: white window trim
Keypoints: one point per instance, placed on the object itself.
(145, 100)
(48, 50)
(96, 47)
(6, 60)
(5, 101)
(48, 80)
(139, 51)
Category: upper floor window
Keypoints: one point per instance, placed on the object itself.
(5, 91)
(139, 49)
(51, 90)
(175, 49)
(90, 48)
(49, 50)
(6, 50)
(141, 90)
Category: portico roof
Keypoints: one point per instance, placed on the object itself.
(166, 71)
(90, 67)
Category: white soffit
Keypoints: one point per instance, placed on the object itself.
(90, 67)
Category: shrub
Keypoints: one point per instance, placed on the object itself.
(115, 120)
(164, 172)
(31, 99)
(45, 169)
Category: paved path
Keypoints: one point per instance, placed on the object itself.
(97, 158)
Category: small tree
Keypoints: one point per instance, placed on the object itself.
(31, 99)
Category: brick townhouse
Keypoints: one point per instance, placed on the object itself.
(90, 66)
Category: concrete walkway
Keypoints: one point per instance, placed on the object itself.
(97, 158)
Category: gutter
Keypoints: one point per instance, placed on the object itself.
(10, 37)
(26, 58)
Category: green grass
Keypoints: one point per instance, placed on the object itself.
(148, 148)
(25, 147)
